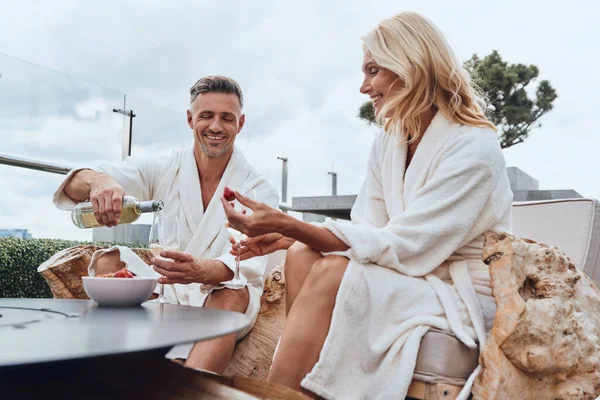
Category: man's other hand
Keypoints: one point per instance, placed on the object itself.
(183, 268)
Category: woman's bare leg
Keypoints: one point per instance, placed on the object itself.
(298, 262)
(307, 324)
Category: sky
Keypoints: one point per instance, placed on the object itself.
(65, 65)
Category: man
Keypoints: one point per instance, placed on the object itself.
(190, 182)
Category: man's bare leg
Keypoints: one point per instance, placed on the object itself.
(308, 323)
(214, 355)
(298, 262)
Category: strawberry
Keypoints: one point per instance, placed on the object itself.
(228, 194)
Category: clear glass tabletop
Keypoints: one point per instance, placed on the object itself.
(43, 330)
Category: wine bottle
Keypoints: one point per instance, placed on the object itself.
(131, 209)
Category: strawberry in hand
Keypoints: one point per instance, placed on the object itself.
(228, 194)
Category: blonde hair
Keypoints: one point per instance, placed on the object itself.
(415, 49)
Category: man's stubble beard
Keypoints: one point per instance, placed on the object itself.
(207, 151)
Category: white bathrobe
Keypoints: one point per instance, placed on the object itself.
(173, 178)
(415, 241)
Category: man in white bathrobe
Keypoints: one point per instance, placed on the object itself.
(190, 182)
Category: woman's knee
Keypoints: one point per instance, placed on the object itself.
(299, 260)
(297, 251)
(326, 275)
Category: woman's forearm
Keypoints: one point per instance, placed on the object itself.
(314, 236)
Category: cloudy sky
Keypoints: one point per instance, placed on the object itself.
(298, 63)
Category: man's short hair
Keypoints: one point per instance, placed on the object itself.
(216, 84)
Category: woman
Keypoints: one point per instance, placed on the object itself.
(361, 296)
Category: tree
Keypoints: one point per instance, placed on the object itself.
(367, 112)
(505, 87)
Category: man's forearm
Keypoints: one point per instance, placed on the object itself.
(78, 188)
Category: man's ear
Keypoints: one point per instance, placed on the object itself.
(242, 122)
(189, 119)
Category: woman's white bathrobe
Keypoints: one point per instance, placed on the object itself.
(173, 178)
(416, 242)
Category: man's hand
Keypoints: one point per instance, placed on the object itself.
(261, 245)
(106, 196)
(186, 269)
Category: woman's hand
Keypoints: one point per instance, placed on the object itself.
(262, 220)
(265, 219)
(261, 245)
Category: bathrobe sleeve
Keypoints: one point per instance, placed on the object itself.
(449, 210)
(136, 175)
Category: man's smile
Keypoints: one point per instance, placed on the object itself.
(213, 137)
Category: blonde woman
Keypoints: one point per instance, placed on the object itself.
(361, 296)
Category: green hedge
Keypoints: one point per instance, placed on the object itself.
(20, 258)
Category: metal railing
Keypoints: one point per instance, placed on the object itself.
(29, 163)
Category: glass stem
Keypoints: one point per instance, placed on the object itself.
(236, 274)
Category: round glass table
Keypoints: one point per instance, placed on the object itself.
(75, 349)
(44, 330)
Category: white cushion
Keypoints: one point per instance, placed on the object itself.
(572, 225)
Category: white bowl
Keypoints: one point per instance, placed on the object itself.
(119, 291)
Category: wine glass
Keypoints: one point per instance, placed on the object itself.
(236, 282)
(164, 235)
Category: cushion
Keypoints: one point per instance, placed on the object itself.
(444, 359)
(572, 225)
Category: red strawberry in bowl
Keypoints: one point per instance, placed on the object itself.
(122, 273)
(228, 194)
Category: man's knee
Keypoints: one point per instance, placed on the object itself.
(230, 300)
(109, 262)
